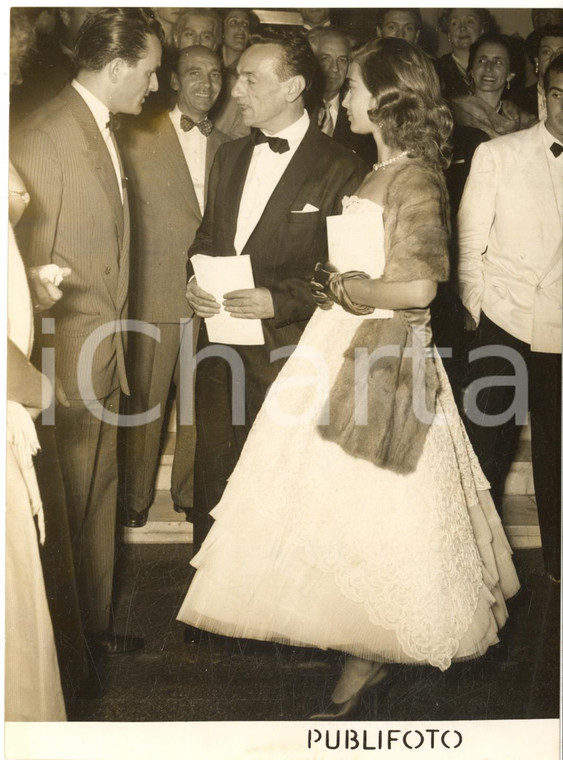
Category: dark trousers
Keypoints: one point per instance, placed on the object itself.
(495, 446)
(86, 447)
(153, 372)
(220, 393)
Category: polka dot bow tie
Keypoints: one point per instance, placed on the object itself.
(204, 126)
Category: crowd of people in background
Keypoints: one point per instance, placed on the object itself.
(126, 126)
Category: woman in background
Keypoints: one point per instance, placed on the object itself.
(462, 26)
(237, 28)
(491, 71)
(543, 45)
(373, 535)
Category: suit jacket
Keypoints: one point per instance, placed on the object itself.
(508, 218)
(363, 145)
(76, 218)
(526, 99)
(165, 215)
(452, 82)
(284, 246)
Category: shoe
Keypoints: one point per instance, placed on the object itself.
(352, 708)
(135, 519)
(187, 511)
(357, 706)
(109, 643)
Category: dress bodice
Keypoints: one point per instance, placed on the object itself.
(356, 237)
(353, 204)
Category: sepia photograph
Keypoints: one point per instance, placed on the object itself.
(283, 382)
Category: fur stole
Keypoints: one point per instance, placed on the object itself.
(381, 410)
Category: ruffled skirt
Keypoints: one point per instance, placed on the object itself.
(314, 547)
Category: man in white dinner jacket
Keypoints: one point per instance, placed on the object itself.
(510, 240)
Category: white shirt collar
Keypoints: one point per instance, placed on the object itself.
(295, 132)
(176, 115)
(548, 138)
(334, 103)
(100, 111)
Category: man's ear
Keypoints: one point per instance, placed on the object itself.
(510, 77)
(65, 17)
(416, 36)
(114, 68)
(295, 86)
(174, 81)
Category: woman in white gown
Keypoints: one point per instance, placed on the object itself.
(358, 518)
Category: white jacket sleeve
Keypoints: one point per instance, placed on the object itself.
(475, 221)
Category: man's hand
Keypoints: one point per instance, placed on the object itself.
(203, 303)
(254, 303)
(60, 395)
(44, 292)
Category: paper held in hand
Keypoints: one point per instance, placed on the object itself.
(219, 275)
(355, 243)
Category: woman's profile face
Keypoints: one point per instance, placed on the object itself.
(464, 28)
(491, 68)
(357, 102)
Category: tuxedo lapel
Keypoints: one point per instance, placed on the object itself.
(213, 143)
(172, 157)
(234, 189)
(537, 177)
(97, 155)
(301, 166)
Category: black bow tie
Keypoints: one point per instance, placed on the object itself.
(556, 149)
(113, 122)
(204, 126)
(277, 144)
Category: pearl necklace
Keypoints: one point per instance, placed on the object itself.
(383, 164)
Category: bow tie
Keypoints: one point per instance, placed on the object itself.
(556, 149)
(113, 122)
(204, 126)
(277, 144)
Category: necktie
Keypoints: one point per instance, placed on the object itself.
(277, 144)
(556, 149)
(326, 124)
(205, 126)
(113, 122)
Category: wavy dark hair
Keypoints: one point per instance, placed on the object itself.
(296, 55)
(555, 67)
(493, 39)
(409, 109)
(115, 33)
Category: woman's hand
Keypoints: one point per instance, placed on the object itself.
(319, 285)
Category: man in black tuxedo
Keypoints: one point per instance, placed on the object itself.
(269, 196)
(332, 51)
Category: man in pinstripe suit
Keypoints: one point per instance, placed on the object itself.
(78, 218)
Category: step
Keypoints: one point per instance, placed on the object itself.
(164, 526)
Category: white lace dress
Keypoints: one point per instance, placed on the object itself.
(314, 547)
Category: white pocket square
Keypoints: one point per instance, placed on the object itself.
(307, 209)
